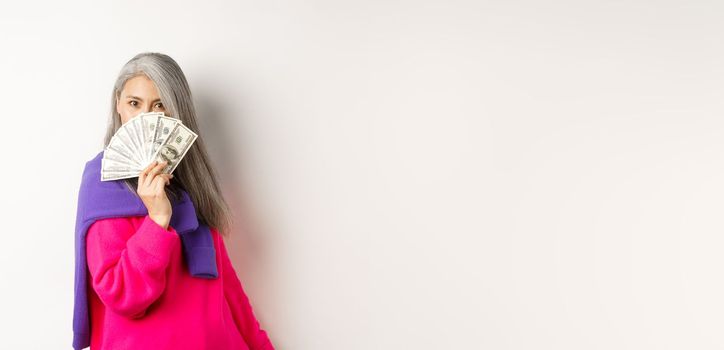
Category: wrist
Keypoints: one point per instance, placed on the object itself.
(161, 220)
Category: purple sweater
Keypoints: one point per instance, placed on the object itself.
(107, 199)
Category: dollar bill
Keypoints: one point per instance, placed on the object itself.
(174, 147)
(112, 170)
(163, 128)
(149, 122)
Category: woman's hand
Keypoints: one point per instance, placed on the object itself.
(151, 189)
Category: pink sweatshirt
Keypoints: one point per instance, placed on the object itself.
(143, 297)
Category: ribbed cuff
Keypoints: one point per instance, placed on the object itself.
(154, 240)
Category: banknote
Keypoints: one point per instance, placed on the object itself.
(174, 147)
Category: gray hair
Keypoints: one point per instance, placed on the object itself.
(195, 174)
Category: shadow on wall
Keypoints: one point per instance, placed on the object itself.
(247, 243)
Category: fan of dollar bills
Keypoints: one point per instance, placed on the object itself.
(143, 139)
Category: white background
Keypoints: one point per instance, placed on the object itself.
(405, 174)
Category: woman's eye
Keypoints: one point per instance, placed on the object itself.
(158, 105)
(133, 103)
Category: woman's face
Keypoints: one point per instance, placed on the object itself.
(139, 95)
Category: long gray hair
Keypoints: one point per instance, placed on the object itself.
(195, 173)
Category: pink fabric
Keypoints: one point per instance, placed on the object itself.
(142, 296)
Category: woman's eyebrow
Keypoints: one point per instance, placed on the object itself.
(140, 99)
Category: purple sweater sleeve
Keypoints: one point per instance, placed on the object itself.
(128, 265)
(256, 338)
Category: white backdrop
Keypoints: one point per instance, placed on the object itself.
(405, 174)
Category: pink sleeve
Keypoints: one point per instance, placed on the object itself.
(255, 337)
(128, 265)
